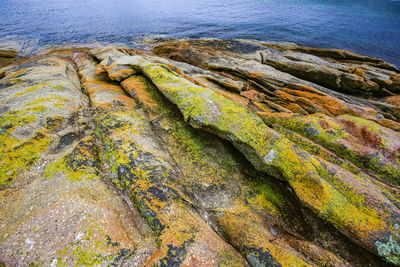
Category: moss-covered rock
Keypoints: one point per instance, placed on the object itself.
(314, 180)
(56, 209)
(233, 156)
(365, 143)
(141, 165)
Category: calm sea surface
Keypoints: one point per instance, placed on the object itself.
(370, 27)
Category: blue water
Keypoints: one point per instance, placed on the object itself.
(370, 27)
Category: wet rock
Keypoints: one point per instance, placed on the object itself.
(7, 56)
(8, 53)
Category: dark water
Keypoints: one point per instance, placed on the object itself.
(370, 27)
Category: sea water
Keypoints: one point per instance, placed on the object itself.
(369, 27)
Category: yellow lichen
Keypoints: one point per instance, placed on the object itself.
(31, 89)
(18, 155)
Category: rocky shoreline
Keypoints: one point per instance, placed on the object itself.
(199, 153)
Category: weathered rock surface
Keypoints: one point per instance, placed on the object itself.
(7, 56)
(55, 207)
(203, 153)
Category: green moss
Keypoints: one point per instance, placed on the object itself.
(310, 127)
(38, 108)
(18, 156)
(345, 215)
(273, 195)
(266, 197)
(11, 83)
(11, 120)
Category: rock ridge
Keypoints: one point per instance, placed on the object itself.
(199, 153)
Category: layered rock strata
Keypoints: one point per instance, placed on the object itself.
(202, 153)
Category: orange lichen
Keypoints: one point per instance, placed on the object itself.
(395, 126)
(276, 106)
(256, 74)
(309, 89)
(253, 95)
(126, 101)
(285, 97)
(393, 100)
(295, 108)
(331, 106)
(260, 107)
(357, 71)
(279, 115)
(136, 86)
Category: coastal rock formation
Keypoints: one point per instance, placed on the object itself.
(7, 56)
(200, 153)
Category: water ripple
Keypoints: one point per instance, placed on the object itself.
(370, 27)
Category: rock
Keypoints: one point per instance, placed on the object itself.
(237, 154)
(264, 148)
(143, 167)
(247, 63)
(393, 100)
(336, 54)
(2, 73)
(8, 53)
(56, 209)
(7, 56)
